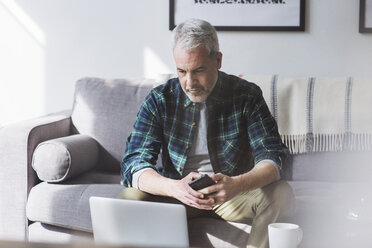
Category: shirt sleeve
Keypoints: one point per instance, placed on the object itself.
(263, 134)
(144, 143)
(275, 165)
(136, 176)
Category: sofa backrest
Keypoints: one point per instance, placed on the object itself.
(325, 122)
(351, 166)
(106, 110)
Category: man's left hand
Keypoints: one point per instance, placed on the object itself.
(225, 189)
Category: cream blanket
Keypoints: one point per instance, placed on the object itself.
(320, 114)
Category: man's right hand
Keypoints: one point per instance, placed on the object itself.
(184, 193)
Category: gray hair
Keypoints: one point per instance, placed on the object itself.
(195, 32)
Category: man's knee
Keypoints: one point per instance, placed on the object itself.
(136, 194)
(133, 194)
(282, 197)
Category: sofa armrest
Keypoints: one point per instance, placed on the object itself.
(17, 144)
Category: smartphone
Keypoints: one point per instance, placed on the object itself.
(201, 182)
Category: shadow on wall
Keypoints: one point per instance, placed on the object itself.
(54, 43)
(22, 77)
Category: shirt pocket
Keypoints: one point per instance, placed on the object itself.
(232, 150)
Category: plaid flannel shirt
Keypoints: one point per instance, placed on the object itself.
(240, 133)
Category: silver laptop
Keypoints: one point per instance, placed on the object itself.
(138, 223)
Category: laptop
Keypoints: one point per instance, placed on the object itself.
(138, 223)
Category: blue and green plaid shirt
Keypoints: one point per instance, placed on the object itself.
(241, 131)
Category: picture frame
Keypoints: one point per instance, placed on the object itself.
(365, 16)
(241, 15)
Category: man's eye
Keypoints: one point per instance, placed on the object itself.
(181, 72)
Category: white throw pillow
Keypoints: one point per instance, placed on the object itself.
(59, 159)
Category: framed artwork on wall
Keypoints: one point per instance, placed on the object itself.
(241, 15)
(365, 16)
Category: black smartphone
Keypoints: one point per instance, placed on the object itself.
(201, 182)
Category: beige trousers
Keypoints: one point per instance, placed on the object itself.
(263, 206)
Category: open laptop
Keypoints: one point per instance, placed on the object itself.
(138, 223)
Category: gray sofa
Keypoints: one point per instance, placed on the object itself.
(50, 166)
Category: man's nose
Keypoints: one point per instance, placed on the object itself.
(190, 80)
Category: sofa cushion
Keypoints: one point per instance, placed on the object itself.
(64, 208)
(332, 167)
(67, 204)
(106, 110)
(59, 159)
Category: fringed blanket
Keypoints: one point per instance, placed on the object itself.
(320, 114)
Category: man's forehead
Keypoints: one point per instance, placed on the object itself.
(190, 62)
(198, 49)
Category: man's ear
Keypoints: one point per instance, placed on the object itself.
(219, 60)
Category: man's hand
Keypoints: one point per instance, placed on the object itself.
(184, 193)
(152, 182)
(225, 189)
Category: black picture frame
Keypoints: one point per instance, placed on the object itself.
(365, 9)
(298, 26)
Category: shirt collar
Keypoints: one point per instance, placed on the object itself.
(217, 95)
(187, 99)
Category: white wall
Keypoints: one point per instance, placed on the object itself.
(46, 45)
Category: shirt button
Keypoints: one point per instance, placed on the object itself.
(194, 123)
(193, 104)
(187, 147)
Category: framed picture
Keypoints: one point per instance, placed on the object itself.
(241, 15)
(365, 16)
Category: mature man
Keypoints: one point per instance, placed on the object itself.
(208, 122)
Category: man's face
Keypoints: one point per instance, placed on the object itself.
(197, 71)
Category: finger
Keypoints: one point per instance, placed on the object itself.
(218, 197)
(210, 189)
(201, 203)
(193, 175)
(196, 196)
(209, 207)
(207, 201)
(203, 206)
(195, 193)
(217, 177)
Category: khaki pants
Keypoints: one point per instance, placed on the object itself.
(261, 206)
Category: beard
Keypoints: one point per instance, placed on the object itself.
(197, 94)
